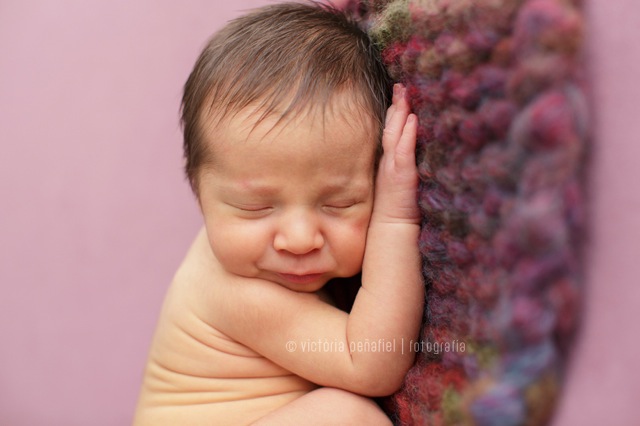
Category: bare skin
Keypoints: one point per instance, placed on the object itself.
(286, 209)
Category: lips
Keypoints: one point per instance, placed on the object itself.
(300, 279)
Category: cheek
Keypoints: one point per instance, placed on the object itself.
(350, 245)
(236, 245)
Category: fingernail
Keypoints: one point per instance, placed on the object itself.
(396, 89)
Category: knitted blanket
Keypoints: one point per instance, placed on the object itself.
(498, 89)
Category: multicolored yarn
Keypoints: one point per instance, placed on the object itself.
(498, 89)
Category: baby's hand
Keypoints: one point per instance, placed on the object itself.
(397, 180)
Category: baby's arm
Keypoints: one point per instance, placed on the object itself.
(315, 340)
(390, 302)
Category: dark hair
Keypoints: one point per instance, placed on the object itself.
(283, 57)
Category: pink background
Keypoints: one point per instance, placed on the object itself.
(95, 215)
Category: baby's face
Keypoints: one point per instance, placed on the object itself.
(290, 203)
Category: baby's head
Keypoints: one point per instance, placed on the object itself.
(283, 116)
(282, 59)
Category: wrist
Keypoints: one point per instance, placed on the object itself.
(400, 220)
(407, 214)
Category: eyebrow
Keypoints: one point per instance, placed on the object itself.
(268, 190)
(335, 187)
(252, 187)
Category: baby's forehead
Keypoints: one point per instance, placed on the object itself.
(324, 134)
(343, 104)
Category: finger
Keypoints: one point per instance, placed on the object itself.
(393, 130)
(397, 92)
(401, 101)
(405, 150)
(396, 118)
(390, 113)
(397, 89)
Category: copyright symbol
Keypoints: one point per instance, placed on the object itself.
(291, 346)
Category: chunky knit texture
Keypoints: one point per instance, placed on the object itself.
(498, 89)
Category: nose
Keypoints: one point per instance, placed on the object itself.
(299, 233)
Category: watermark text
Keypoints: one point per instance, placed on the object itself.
(371, 345)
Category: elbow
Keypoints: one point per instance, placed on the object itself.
(374, 384)
(385, 387)
(376, 376)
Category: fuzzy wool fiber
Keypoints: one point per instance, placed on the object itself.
(498, 88)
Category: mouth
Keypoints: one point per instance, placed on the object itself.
(300, 279)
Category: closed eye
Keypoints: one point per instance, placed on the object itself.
(340, 206)
(253, 210)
